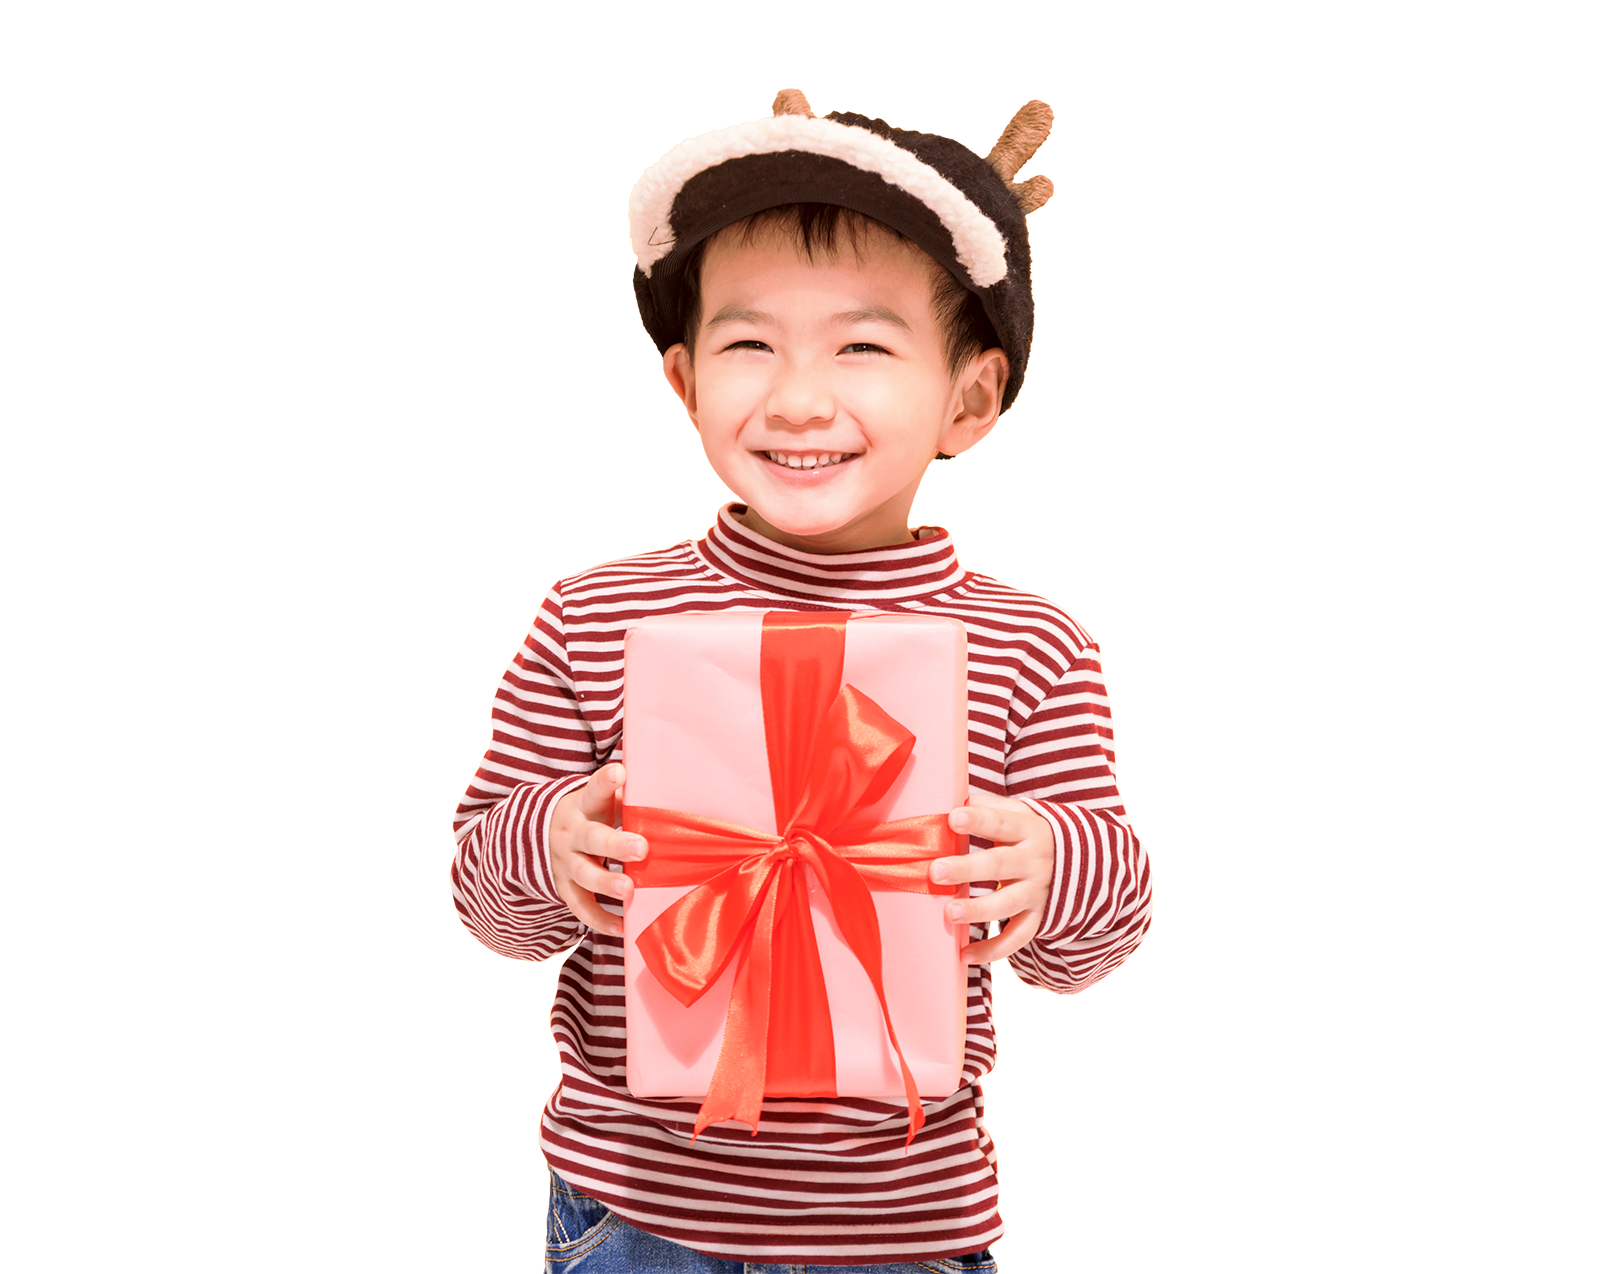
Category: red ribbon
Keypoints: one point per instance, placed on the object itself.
(832, 753)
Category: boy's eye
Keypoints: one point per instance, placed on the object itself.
(863, 347)
(757, 345)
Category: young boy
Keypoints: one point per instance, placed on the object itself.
(837, 303)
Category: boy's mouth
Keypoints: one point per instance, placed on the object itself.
(809, 459)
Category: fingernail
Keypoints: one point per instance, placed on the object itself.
(958, 820)
(938, 872)
(955, 911)
(638, 846)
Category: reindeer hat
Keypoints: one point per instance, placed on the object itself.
(963, 211)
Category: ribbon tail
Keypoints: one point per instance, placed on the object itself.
(857, 915)
(913, 1098)
(800, 1052)
(914, 1116)
(739, 1080)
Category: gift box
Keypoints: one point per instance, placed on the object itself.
(793, 773)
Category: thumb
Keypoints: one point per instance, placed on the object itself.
(994, 802)
(597, 799)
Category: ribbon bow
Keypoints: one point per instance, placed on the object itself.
(832, 753)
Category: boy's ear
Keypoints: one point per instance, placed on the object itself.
(679, 369)
(979, 391)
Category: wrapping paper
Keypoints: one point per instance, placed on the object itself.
(697, 748)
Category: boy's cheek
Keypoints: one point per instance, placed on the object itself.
(732, 392)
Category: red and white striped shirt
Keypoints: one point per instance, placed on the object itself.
(828, 1181)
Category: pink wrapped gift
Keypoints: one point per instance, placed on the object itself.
(880, 716)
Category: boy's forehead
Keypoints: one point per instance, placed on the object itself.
(873, 265)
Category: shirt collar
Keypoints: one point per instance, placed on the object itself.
(893, 573)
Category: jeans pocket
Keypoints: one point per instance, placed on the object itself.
(576, 1226)
(974, 1263)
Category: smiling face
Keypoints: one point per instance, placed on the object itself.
(820, 388)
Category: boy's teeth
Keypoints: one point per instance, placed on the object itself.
(806, 462)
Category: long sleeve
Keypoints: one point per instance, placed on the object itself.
(542, 748)
(1063, 763)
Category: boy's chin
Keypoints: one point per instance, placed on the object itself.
(850, 531)
(787, 525)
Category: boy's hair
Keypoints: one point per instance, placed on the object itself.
(824, 228)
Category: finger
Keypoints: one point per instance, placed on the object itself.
(1002, 904)
(596, 878)
(597, 797)
(600, 841)
(1004, 862)
(590, 912)
(994, 802)
(1013, 937)
(999, 824)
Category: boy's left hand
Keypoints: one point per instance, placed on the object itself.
(1022, 862)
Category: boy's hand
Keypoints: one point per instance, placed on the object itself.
(582, 837)
(1023, 862)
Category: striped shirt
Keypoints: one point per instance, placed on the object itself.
(828, 1181)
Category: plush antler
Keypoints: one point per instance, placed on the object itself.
(1024, 135)
(1034, 193)
(791, 101)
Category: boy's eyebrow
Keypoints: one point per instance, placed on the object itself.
(733, 314)
(872, 314)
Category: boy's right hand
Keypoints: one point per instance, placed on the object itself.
(582, 837)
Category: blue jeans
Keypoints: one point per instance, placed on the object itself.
(586, 1237)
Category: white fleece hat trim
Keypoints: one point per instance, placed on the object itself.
(980, 247)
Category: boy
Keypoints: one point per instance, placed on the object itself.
(837, 303)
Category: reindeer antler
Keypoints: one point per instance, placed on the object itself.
(1034, 193)
(1024, 135)
(791, 101)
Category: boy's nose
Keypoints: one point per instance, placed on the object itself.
(798, 400)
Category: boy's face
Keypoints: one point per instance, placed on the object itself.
(820, 390)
